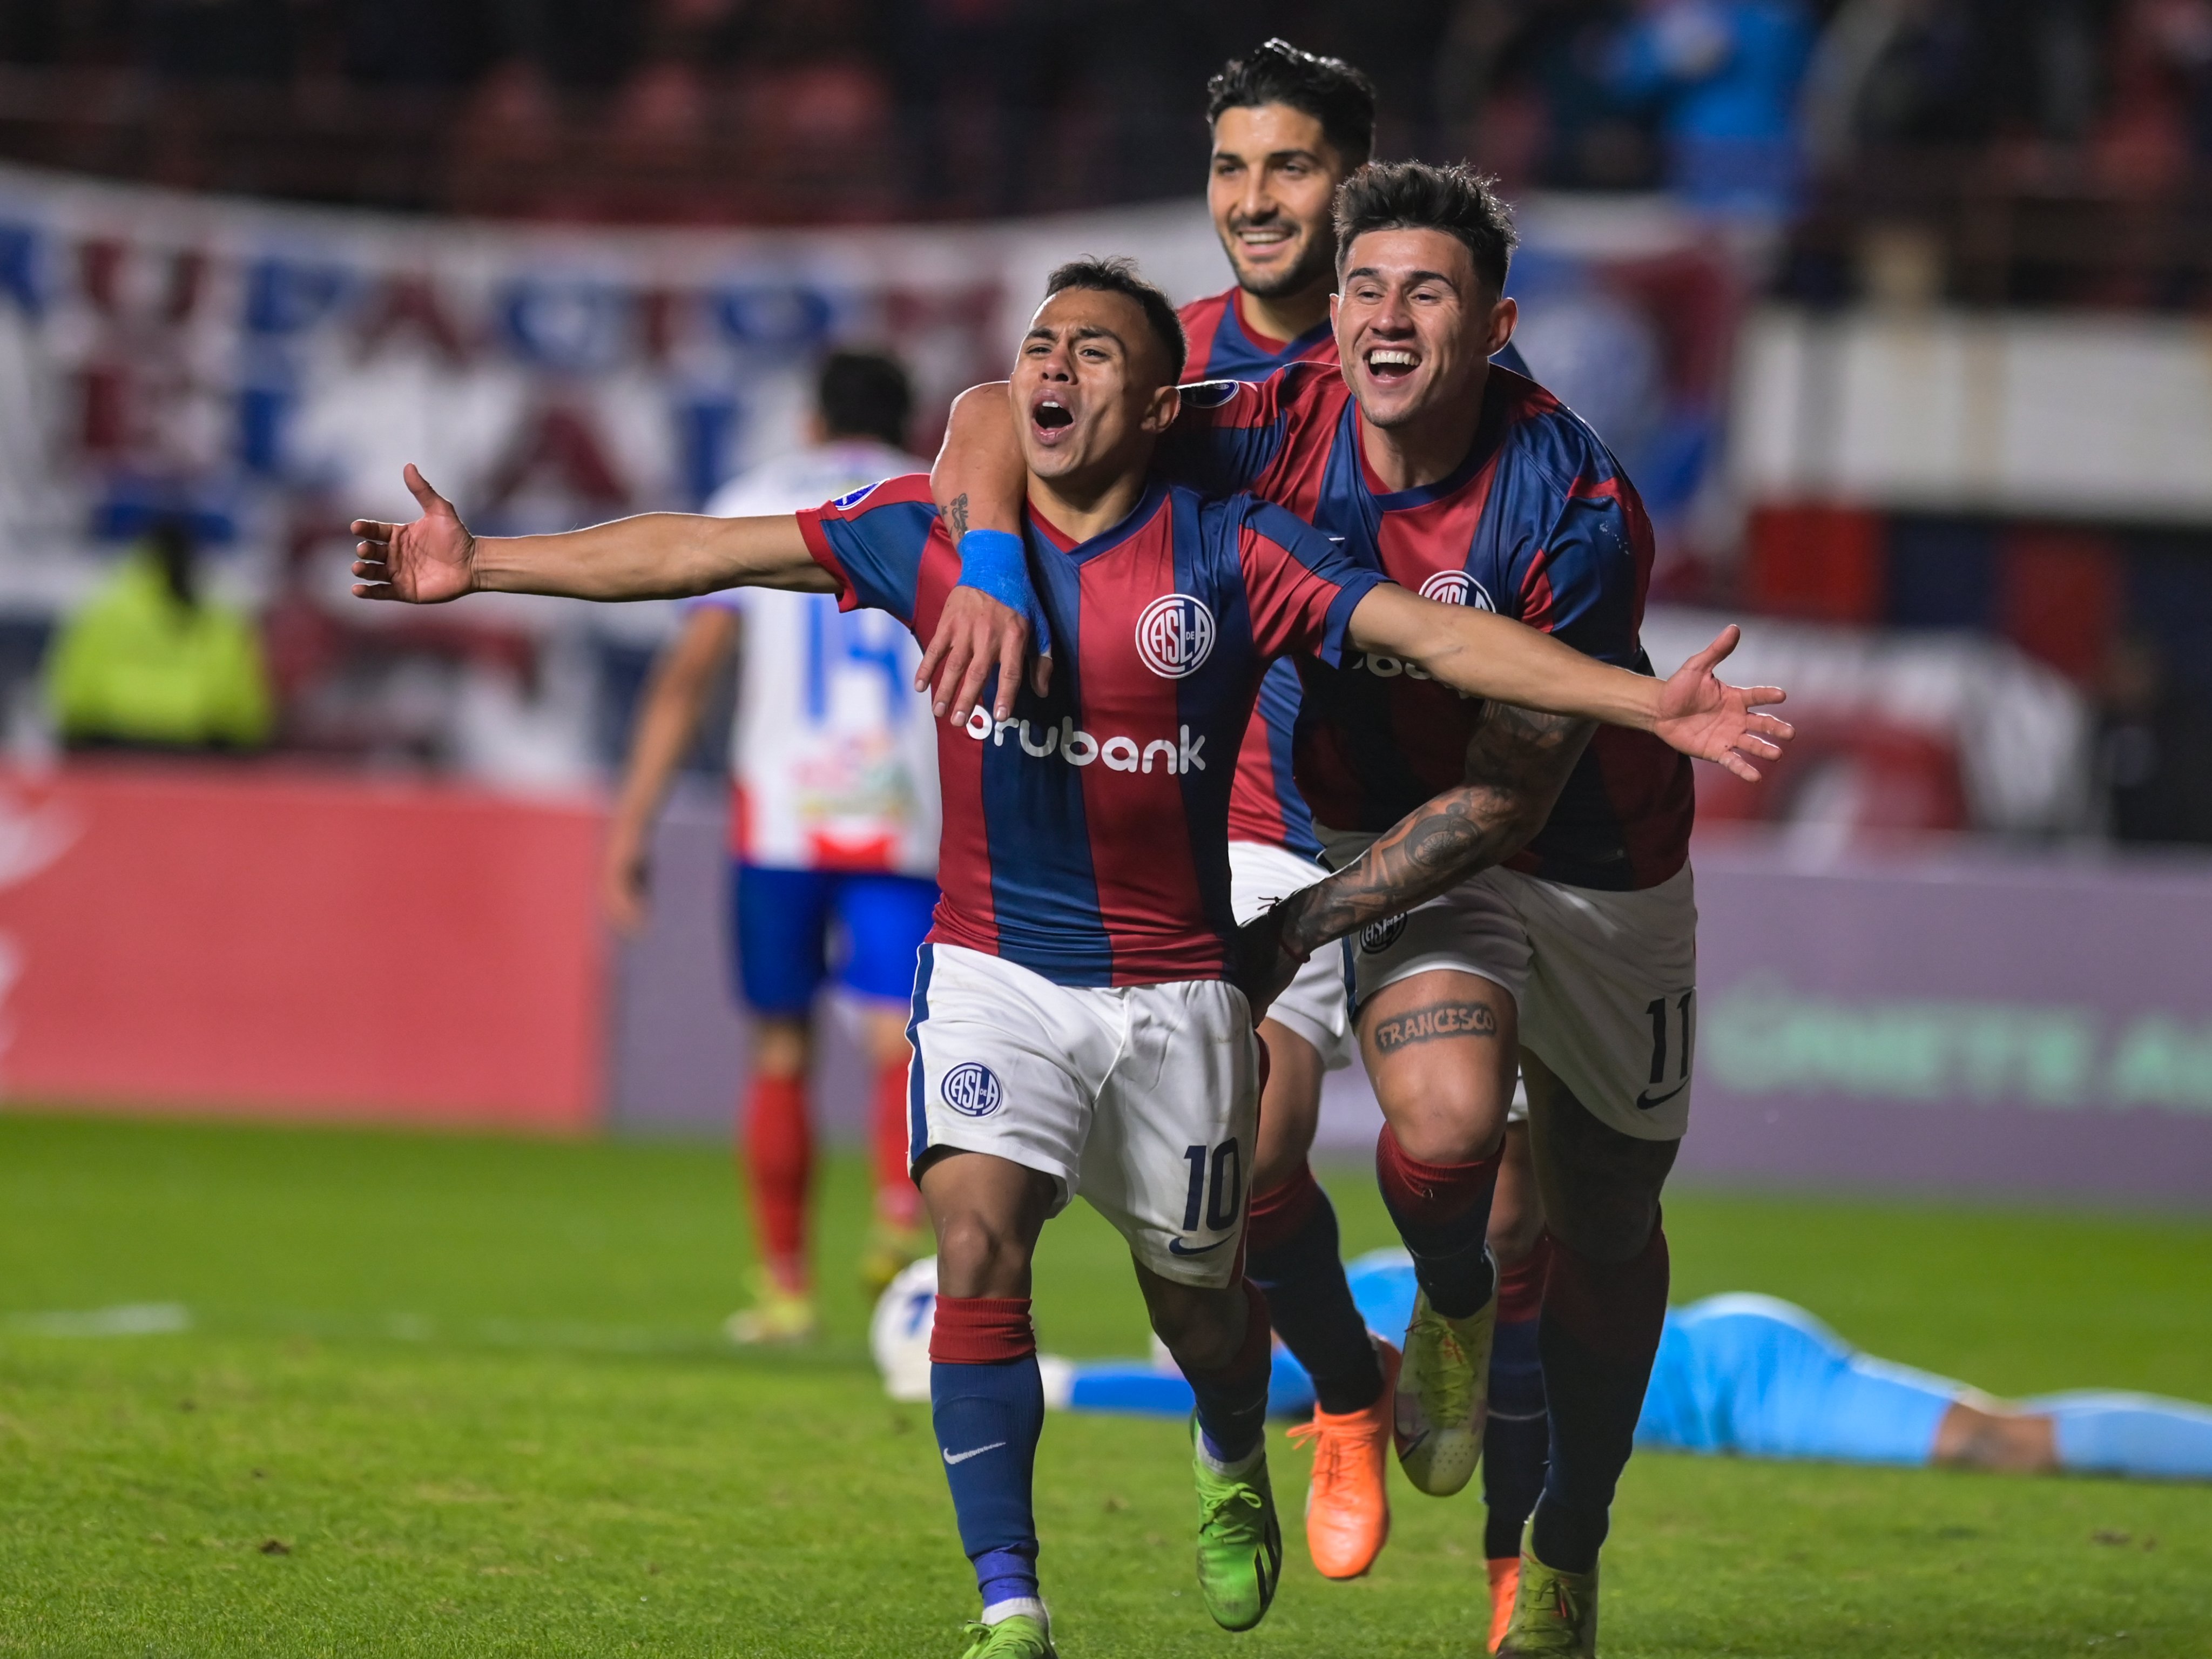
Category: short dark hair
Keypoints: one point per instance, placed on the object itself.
(1120, 276)
(863, 394)
(1330, 89)
(1420, 196)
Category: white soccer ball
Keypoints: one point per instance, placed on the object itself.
(898, 1331)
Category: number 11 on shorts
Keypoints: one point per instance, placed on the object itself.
(1665, 1013)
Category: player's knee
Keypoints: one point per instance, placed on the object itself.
(1444, 1124)
(981, 1254)
(780, 1048)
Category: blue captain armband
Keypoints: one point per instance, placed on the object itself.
(993, 562)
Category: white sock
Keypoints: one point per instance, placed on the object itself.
(1243, 1467)
(1019, 1604)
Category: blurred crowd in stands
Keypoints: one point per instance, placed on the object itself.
(1896, 153)
(878, 109)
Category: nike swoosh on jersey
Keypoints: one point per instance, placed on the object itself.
(1175, 1246)
(951, 1458)
(1646, 1101)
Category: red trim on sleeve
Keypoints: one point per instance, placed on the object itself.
(818, 544)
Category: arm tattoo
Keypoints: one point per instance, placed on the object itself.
(956, 516)
(1518, 762)
(1436, 1021)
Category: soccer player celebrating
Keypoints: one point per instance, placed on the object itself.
(833, 829)
(1288, 128)
(1576, 964)
(1074, 1024)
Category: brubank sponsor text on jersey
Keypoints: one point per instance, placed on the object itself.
(1184, 753)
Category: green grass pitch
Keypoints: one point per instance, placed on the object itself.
(452, 1396)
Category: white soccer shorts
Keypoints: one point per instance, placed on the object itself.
(1606, 983)
(1143, 1098)
(1317, 1003)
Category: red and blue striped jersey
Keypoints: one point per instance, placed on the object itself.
(1222, 347)
(1087, 838)
(1265, 805)
(1540, 523)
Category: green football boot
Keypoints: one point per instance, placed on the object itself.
(1555, 1613)
(1443, 1395)
(1019, 1638)
(1240, 1546)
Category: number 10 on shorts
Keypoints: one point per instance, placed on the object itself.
(1217, 1187)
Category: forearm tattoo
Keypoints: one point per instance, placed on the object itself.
(1518, 762)
(956, 517)
(1438, 1020)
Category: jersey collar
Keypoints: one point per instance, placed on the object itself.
(1487, 434)
(1106, 541)
(1283, 351)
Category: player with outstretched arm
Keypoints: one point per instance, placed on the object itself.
(1075, 1024)
(1546, 927)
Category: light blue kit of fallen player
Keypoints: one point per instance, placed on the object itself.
(1748, 1374)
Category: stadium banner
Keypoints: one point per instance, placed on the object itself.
(269, 368)
(268, 943)
(2008, 1024)
(1959, 1020)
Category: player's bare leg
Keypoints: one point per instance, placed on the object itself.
(1293, 1254)
(779, 1168)
(1441, 1050)
(1605, 1304)
(1220, 1340)
(897, 1235)
(1989, 1437)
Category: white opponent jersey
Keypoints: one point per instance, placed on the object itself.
(834, 754)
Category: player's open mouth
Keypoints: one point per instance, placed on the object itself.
(1260, 238)
(1050, 414)
(1389, 363)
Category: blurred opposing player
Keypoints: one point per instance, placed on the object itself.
(1075, 1023)
(832, 834)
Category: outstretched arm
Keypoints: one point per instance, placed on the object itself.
(655, 555)
(979, 482)
(1518, 762)
(1487, 656)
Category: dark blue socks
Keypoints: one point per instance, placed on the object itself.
(1600, 1333)
(1292, 1255)
(987, 1404)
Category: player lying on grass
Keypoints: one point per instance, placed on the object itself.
(1074, 1025)
(1519, 883)
(1739, 1373)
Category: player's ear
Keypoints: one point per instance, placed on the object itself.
(1503, 317)
(1161, 411)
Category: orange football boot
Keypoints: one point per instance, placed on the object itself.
(1348, 1505)
(1504, 1583)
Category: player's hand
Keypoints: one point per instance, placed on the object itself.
(426, 563)
(1704, 716)
(1261, 963)
(626, 883)
(975, 634)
